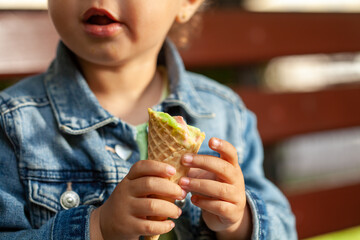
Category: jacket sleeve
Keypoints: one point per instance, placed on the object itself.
(271, 212)
(14, 207)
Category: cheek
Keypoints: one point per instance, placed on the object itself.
(153, 20)
(57, 10)
(66, 21)
(155, 27)
(64, 15)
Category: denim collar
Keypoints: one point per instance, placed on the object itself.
(182, 90)
(77, 110)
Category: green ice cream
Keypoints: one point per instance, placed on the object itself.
(186, 134)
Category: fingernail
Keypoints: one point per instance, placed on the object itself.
(187, 159)
(172, 224)
(215, 142)
(184, 193)
(180, 212)
(170, 170)
(184, 181)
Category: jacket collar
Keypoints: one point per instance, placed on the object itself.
(182, 90)
(76, 108)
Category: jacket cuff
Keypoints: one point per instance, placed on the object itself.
(259, 215)
(72, 224)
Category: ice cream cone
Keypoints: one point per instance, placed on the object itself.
(169, 138)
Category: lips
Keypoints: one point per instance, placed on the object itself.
(98, 16)
(100, 23)
(99, 20)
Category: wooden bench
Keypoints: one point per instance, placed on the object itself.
(28, 40)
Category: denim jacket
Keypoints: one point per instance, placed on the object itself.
(58, 164)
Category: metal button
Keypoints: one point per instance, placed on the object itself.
(123, 151)
(180, 203)
(69, 199)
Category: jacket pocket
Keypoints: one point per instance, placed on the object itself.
(49, 197)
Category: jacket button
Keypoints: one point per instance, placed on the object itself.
(69, 199)
(123, 151)
(180, 203)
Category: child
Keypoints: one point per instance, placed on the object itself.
(71, 138)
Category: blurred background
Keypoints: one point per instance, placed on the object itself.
(295, 63)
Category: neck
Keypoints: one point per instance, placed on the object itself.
(128, 79)
(126, 91)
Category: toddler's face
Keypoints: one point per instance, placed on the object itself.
(111, 32)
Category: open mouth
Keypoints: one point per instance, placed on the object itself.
(100, 17)
(100, 23)
(99, 20)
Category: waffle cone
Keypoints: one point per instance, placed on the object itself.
(167, 144)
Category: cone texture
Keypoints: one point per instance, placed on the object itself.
(168, 146)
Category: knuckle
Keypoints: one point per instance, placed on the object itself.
(148, 183)
(200, 160)
(223, 167)
(148, 228)
(134, 169)
(197, 184)
(176, 191)
(240, 199)
(137, 165)
(151, 205)
(224, 191)
(223, 210)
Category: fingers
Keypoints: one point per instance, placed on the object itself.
(228, 212)
(227, 151)
(149, 207)
(151, 228)
(145, 186)
(126, 210)
(149, 177)
(211, 188)
(146, 227)
(226, 167)
(150, 168)
(223, 169)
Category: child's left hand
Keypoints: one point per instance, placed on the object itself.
(217, 187)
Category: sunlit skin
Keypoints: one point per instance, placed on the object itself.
(127, 58)
(218, 189)
(118, 61)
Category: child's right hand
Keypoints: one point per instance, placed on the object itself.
(123, 215)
